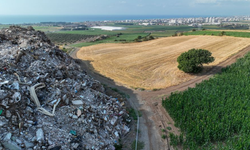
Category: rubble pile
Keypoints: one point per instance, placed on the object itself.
(48, 102)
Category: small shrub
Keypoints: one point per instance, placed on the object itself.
(169, 128)
(118, 146)
(151, 37)
(132, 113)
(156, 89)
(164, 136)
(139, 114)
(114, 89)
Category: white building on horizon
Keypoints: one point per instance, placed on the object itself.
(108, 28)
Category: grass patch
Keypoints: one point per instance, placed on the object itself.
(132, 113)
(142, 89)
(156, 89)
(124, 95)
(140, 145)
(164, 136)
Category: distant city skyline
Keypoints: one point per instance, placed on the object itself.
(125, 7)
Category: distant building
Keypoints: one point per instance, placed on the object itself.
(108, 28)
(145, 24)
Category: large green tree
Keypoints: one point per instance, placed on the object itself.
(192, 61)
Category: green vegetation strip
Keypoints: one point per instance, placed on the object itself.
(216, 113)
(124, 38)
(218, 33)
(67, 38)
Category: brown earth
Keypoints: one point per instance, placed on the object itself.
(154, 116)
(153, 64)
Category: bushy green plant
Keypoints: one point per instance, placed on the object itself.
(193, 60)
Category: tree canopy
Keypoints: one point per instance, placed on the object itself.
(193, 60)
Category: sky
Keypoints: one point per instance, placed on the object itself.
(125, 7)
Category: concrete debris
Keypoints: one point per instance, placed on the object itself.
(39, 135)
(11, 145)
(45, 96)
(7, 137)
(77, 102)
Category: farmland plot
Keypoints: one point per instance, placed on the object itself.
(153, 64)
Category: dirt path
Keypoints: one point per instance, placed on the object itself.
(154, 116)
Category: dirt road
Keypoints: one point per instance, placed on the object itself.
(154, 117)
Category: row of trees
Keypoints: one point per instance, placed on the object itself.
(216, 110)
(146, 38)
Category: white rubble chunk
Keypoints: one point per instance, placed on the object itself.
(39, 135)
(77, 102)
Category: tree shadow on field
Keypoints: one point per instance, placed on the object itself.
(210, 70)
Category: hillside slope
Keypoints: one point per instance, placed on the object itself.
(47, 101)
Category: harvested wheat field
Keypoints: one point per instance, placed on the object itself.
(153, 64)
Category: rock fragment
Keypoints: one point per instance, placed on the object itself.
(40, 135)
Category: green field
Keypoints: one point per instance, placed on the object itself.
(164, 34)
(90, 32)
(131, 29)
(46, 28)
(67, 38)
(113, 39)
(216, 113)
(134, 31)
(128, 35)
(217, 33)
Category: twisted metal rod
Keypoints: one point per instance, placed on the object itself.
(34, 98)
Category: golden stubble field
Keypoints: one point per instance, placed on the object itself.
(153, 64)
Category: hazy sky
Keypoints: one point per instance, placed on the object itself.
(125, 7)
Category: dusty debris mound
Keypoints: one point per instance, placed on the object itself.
(47, 102)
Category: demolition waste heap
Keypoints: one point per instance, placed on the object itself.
(48, 102)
